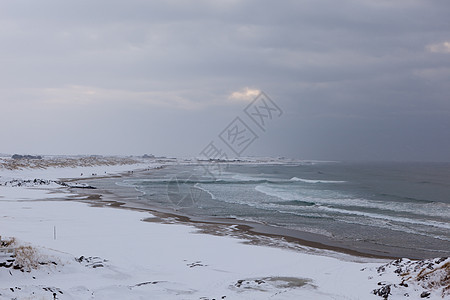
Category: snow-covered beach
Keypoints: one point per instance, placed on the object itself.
(79, 251)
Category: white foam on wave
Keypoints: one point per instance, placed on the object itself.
(374, 220)
(197, 186)
(240, 177)
(289, 194)
(400, 223)
(142, 180)
(316, 180)
(272, 192)
(389, 218)
(250, 179)
(434, 209)
(401, 227)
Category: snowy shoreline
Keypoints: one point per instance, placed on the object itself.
(86, 252)
(248, 231)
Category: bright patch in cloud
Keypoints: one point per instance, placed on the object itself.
(245, 94)
(443, 47)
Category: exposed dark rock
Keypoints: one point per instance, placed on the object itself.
(425, 294)
(38, 182)
(428, 275)
(92, 261)
(18, 156)
(384, 291)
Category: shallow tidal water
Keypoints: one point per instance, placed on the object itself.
(391, 209)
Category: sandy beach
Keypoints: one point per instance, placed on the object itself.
(93, 247)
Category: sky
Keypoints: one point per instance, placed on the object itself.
(346, 80)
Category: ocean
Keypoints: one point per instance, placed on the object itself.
(390, 209)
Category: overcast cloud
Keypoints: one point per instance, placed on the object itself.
(365, 80)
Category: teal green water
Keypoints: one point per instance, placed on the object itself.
(401, 208)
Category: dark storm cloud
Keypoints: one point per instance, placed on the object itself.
(357, 79)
